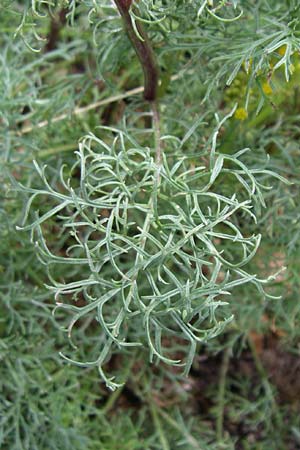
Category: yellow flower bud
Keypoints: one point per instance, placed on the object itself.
(281, 50)
(267, 89)
(241, 114)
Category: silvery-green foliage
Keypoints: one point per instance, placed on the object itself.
(159, 243)
(220, 38)
(90, 253)
(155, 230)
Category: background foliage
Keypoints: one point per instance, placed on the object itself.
(65, 67)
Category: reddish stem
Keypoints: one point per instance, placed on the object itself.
(143, 50)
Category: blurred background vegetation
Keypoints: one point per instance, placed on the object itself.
(243, 390)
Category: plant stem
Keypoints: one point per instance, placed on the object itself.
(52, 151)
(56, 24)
(143, 49)
(158, 426)
(84, 109)
(156, 127)
(153, 199)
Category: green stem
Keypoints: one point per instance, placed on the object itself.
(153, 199)
(157, 134)
(158, 426)
(52, 151)
(143, 49)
